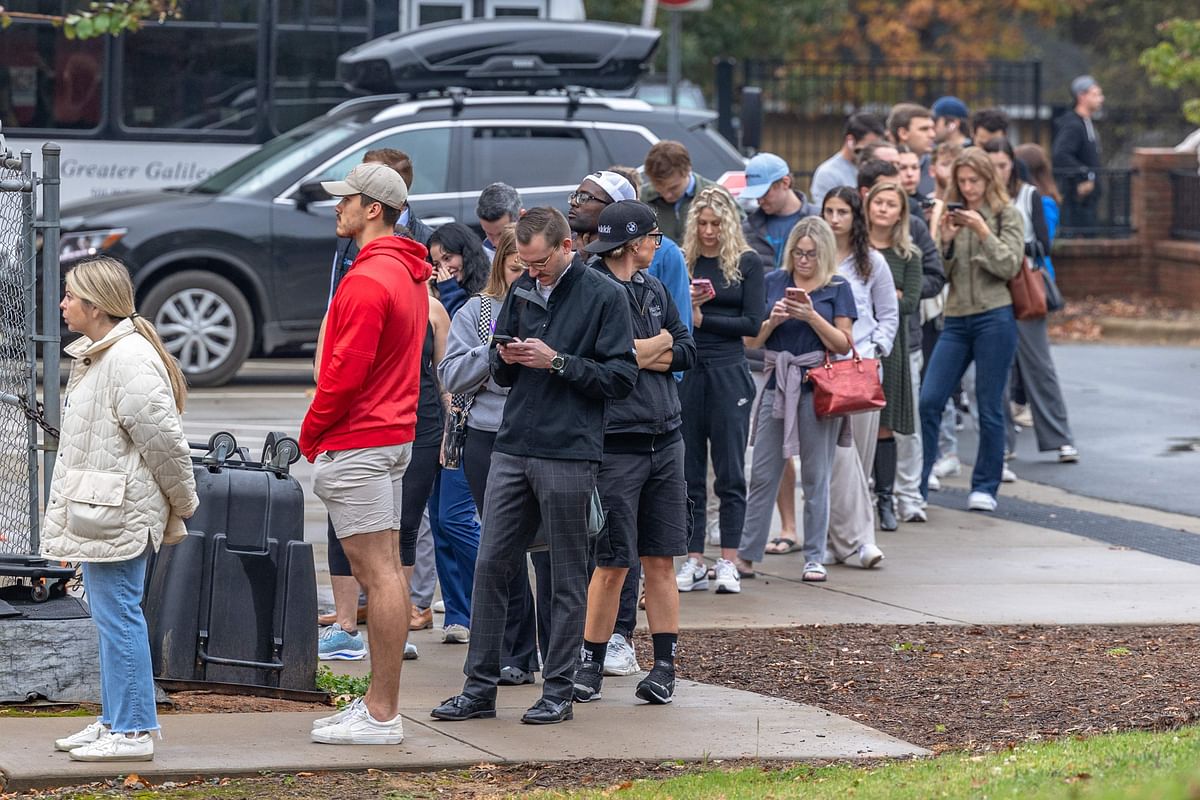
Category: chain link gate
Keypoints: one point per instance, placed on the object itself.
(28, 268)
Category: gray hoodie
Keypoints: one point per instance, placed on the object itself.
(464, 368)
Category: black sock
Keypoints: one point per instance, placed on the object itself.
(885, 466)
(594, 651)
(664, 647)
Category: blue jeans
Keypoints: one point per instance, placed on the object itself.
(456, 542)
(114, 595)
(990, 340)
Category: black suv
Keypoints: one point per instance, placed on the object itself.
(240, 263)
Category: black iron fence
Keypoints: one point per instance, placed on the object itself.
(1185, 205)
(1100, 208)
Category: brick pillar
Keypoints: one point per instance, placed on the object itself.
(1152, 192)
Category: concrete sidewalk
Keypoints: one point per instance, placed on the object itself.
(960, 567)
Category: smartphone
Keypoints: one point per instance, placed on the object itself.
(703, 283)
(796, 294)
(500, 338)
(952, 207)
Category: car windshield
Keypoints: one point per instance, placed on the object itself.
(277, 158)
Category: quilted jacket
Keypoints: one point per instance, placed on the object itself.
(123, 468)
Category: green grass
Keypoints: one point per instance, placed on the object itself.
(46, 711)
(1130, 766)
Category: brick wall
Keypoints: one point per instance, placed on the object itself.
(1150, 264)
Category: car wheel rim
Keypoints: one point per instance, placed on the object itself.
(199, 328)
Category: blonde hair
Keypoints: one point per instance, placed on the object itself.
(104, 282)
(823, 239)
(899, 237)
(732, 241)
(507, 245)
(994, 196)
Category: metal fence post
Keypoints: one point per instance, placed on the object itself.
(29, 285)
(51, 227)
(724, 99)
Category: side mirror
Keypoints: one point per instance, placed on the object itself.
(752, 118)
(309, 193)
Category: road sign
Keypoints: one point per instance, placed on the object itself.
(685, 5)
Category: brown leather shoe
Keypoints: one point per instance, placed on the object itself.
(421, 619)
(331, 617)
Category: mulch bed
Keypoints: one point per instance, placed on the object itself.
(1080, 320)
(964, 687)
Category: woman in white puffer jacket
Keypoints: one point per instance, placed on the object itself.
(122, 482)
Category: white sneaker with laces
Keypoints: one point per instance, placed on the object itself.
(1007, 475)
(980, 501)
(359, 727)
(869, 556)
(620, 658)
(334, 719)
(947, 466)
(692, 576)
(728, 580)
(116, 747)
(86, 736)
(456, 634)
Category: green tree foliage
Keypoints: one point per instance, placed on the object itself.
(101, 19)
(1175, 63)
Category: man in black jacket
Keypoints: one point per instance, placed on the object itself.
(1077, 154)
(564, 346)
(641, 477)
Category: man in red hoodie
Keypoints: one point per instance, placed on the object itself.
(359, 429)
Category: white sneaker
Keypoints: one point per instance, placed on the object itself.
(1067, 454)
(911, 512)
(439, 607)
(334, 719)
(456, 634)
(934, 484)
(620, 658)
(410, 652)
(359, 727)
(728, 580)
(1007, 475)
(86, 736)
(116, 747)
(869, 556)
(981, 501)
(692, 576)
(947, 465)
(1022, 415)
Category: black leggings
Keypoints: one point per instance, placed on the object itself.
(416, 488)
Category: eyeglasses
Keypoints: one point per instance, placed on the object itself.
(656, 238)
(579, 198)
(804, 255)
(536, 264)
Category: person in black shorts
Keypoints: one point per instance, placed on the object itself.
(641, 479)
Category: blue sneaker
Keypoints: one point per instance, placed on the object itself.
(334, 644)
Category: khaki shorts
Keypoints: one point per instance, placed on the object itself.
(362, 488)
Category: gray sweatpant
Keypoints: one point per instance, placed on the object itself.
(818, 441)
(424, 576)
(851, 504)
(1040, 380)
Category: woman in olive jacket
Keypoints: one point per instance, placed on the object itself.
(122, 486)
(983, 243)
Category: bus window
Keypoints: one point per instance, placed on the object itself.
(191, 78)
(49, 82)
(305, 83)
(428, 148)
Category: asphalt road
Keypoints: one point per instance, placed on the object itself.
(1134, 412)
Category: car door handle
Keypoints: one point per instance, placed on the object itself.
(437, 222)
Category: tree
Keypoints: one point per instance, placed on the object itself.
(1175, 63)
(101, 18)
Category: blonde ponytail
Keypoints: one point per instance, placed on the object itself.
(104, 282)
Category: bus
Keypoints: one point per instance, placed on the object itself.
(175, 102)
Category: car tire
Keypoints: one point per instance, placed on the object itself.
(205, 322)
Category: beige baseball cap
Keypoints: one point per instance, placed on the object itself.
(377, 181)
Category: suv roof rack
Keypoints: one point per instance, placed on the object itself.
(503, 55)
(573, 101)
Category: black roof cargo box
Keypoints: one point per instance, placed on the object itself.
(501, 55)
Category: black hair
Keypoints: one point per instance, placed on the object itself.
(1001, 145)
(461, 240)
(860, 241)
(873, 170)
(992, 120)
(862, 123)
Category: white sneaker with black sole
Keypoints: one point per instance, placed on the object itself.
(728, 580)
(692, 576)
(359, 727)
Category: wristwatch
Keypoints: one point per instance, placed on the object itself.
(558, 363)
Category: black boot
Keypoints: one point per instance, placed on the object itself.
(885, 479)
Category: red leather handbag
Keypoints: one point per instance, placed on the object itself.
(849, 386)
(1028, 290)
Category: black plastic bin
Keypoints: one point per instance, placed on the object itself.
(236, 601)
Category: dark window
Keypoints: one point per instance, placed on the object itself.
(305, 83)
(429, 13)
(47, 81)
(428, 148)
(527, 156)
(181, 77)
(503, 11)
(625, 148)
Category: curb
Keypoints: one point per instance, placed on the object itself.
(1150, 331)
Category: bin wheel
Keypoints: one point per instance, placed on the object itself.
(288, 449)
(40, 592)
(59, 589)
(222, 438)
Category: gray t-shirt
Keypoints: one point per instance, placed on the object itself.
(834, 172)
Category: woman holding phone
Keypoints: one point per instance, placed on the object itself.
(811, 310)
(851, 512)
(982, 239)
(717, 394)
